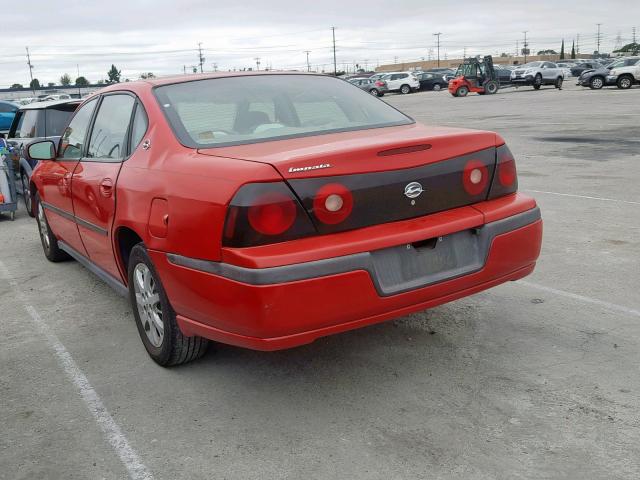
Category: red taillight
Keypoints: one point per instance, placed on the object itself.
(272, 214)
(261, 213)
(505, 181)
(475, 177)
(332, 203)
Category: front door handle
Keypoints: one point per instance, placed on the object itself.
(106, 187)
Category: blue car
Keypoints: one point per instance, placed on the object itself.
(7, 112)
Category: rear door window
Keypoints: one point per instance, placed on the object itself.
(139, 127)
(109, 132)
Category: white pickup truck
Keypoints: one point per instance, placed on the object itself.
(538, 74)
(624, 77)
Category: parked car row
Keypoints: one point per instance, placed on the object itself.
(623, 73)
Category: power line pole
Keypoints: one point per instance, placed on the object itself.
(308, 63)
(257, 59)
(437, 35)
(524, 48)
(78, 71)
(598, 37)
(335, 64)
(200, 57)
(577, 44)
(633, 34)
(30, 70)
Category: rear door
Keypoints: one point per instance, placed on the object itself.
(56, 177)
(95, 177)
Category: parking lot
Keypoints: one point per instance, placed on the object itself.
(536, 379)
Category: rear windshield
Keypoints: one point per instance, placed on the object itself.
(258, 108)
(56, 118)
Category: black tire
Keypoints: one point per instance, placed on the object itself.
(462, 91)
(625, 82)
(26, 194)
(558, 83)
(491, 87)
(596, 83)
(437, 87)
(174, 348)
(404, 89)
(48, 240)
(374, 92)
(537, 82)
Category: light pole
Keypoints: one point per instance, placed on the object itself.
(437, 35)
(524, 49)
(308, 65)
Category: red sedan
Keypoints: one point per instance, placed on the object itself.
(266, 210)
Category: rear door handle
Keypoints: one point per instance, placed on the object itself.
(106, 187)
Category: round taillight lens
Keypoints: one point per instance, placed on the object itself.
(507, 172)
(272, 214)
(475, 177)
(333, 203)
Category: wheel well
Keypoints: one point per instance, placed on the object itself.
(126, 239)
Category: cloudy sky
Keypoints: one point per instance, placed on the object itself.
(162, 37)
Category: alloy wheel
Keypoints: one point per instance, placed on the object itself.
(148, 303)
(44, 231)
(26, 193)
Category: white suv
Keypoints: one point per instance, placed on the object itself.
(403, 82)
(625, 77)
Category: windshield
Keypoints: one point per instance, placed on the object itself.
(532, 65)
(256, 108)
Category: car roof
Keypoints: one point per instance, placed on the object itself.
(49, 104)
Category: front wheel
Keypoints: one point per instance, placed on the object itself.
(49, 241)
(537, 82)
(625, 82)
(155, 318)
(596, 83)
(404, 89)
(26, 194)
(559, 83)
(491, 87)
(437, 87)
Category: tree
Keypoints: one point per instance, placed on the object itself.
(113, 75)
(547, 52)
(65, 80)
(573, 50)
(562, 50)
(147, 75)
(35, 83)
(82, 82)
(632, 48)
(17, 85)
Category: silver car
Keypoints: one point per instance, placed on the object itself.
(375, 87)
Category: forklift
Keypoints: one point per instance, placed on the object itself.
(476, 76)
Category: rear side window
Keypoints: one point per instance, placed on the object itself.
(57, 118)
(109, 132)
(139, 127)
(28, 124)
(72, 141)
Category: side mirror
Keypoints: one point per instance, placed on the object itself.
(43, 150)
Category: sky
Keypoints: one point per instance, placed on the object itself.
(162, 36)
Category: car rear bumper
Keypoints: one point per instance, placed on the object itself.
(288, 305)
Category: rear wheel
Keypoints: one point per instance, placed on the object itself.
(155, 318)
(374, 92)
(596, 83)
(437, 87)
(625, 82)
(47, 238)
(491, 87)
(558, 84)
(537, 82)
(404, 89)
(462, 91)
(26, 194)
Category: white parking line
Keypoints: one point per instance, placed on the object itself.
(584, 196)
(582, 298)
(136, 469)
